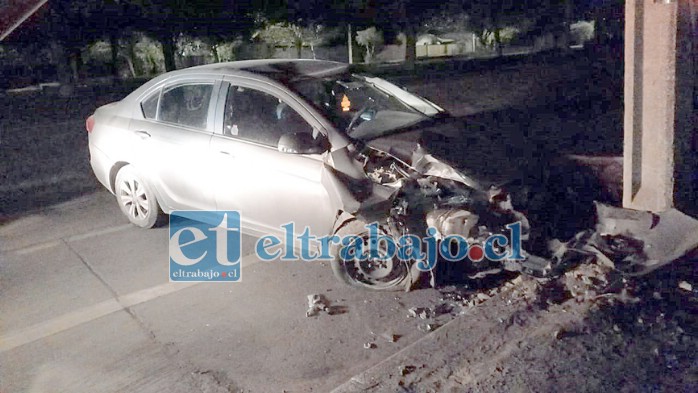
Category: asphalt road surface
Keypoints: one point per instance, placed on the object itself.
(86, 306)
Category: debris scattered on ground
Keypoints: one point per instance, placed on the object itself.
(686, 286)
(419, 312)
(428, 327)
(390, 337)
(482, 297)
(484, 274)
(405, 370)
(618, 221)
(587, 281)
(643, 241)
(369, 345)
(443, 308)
(316, 304)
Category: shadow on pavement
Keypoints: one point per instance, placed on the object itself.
(15, 204)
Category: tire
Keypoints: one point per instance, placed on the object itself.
(391, 275)
(136, 200)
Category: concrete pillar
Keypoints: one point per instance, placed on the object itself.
(660, 37)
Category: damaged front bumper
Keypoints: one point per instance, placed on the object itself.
(410, 199)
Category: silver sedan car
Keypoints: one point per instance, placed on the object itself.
(303, 141)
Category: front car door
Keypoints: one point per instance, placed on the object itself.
(268, 187)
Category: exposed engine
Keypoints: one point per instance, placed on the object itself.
(450, 207)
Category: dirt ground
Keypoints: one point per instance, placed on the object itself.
(531, 335)
(645, 344)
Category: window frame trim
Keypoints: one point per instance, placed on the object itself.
(215, 80)
(280, 93)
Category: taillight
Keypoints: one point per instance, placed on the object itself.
(90, 123)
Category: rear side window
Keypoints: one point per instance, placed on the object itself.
(186, 105)
(150, 106)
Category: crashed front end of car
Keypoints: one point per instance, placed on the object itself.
(404, 163)
(428, 194)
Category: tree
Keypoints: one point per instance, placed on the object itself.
(213, 20)
(370, 39)
(282, 34)
(292, 35)
(70, 29)
(405, 16)
(487, 17)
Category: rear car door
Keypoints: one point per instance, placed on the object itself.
(268, 187)
(175, 132)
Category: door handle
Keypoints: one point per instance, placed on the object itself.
(143, 134)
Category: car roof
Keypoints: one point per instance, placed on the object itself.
(283, 70)
(280, 70)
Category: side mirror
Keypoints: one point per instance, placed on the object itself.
(302, 143)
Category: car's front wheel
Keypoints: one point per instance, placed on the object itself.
(372, 273)
(135, 198)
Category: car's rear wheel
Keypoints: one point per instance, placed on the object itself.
(373, 273)
(135, 198)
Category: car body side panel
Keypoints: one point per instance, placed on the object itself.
(177, 162)
(108, 140)
(286, 187)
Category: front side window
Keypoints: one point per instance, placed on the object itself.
(186, 105)
(260, 117)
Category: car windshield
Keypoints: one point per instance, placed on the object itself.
(364, 107)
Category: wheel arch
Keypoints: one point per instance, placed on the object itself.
(112, 184)
(112, 174)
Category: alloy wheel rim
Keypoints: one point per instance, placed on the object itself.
(134, 199)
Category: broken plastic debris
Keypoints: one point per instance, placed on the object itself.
(421, 312)
(316, 303)
(428, 327)
(485, 273)
(618, 221)
(686, 286)
(452, 222)
(369, 345)
(404, 370)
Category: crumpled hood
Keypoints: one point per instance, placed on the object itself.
(488, 157)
